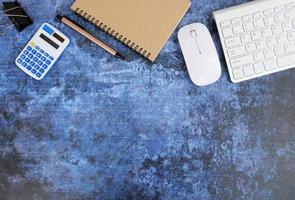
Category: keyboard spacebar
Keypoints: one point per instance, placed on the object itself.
(286, 60)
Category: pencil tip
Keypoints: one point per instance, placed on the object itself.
(118, 55)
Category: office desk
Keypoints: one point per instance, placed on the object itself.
(100, 128)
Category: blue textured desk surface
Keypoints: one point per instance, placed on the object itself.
(100, 128)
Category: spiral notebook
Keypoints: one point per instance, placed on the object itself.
(143, 25)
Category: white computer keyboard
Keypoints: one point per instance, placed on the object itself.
(258, 38)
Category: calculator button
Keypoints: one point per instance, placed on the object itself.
(26, 52)
(31, 56)
(32, 63)
(48, 62)
(51, 58)
(29, 48)
(45, 66)
(38, 75)
(23, 56)
(37, 67)
(24, 64)
(37, 48)
(40, 63)
(41, 70)
(27, 60)
(38, 55)
(29, 67)
(19, 61)
(46, 54)
(43, 58)
(41, 51)
(34, 51)
(33, 71)
(35, 59)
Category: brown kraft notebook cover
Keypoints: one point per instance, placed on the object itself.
(143, 25)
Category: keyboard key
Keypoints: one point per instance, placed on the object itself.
(45, 66)
(24, 64)
(32, 63)
(238, 51)
(40, 63)
(46, 54)
(235, 41)
(245, 38)
(291, 36)
(227, 32)
(238, 29)
(26, 52)
(279, 50)
(33, 71)
(281, 39)
(276, 30)
(238, 74)
(225, 23)
(37, 67)
(248, 26)
(258, 68)
(29, 48)
(41, 71)
(279, 9)
(34, 51)
(241, 61)
(266, 32)
(250, 48)
(247, 18)
(290, 6)
(19, 61)
(43, 58)
(37, 48)
(258, 24)
(269, 21)
(268, 54)
(286, 61)
(27, 60)
(41, 51)
(279, 18)
(268, 12)
(248, 70)
(271, 42)
(29, 67)
(22, 56)
(290, 15)
(48, 62)
(258, 15)
(35, 59)
(270, 65)
(31, 56)
(261, 45)
(236, 20)
(38, 55)
(38, 75)
(258, 56)
(51, 58)
(290, 48)
(256, 35)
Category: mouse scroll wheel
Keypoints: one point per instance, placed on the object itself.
(194, 33)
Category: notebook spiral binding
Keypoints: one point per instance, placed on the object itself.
(113, 33)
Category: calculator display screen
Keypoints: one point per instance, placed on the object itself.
(49, 41)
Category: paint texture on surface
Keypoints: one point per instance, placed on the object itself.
(100, 128)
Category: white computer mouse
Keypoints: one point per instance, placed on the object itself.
(200, 54)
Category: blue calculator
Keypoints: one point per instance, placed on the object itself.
(43, 50)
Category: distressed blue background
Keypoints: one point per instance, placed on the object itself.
(100, 128)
